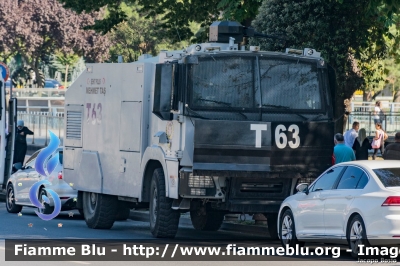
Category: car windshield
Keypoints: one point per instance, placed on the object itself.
(251, 82)
(390, 177)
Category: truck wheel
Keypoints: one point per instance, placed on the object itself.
(206, 220)
(164, 220)
(47, 208)
(122, 214)
(99, 210)
(272, 225)
(10, 203)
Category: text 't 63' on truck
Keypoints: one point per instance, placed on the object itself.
(211, 130)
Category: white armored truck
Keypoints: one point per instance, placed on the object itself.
(211, 130)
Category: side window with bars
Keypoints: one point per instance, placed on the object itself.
(74, 122)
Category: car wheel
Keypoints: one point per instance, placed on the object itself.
(287, 230)
(356, 235)
(164, 220)
(47, 208)
(10, 201)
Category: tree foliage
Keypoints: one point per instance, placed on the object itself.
(177, 14)
(180, 13)
(37, 28)
(138, 35)
(348, 35)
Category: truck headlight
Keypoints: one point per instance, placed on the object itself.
(200, 181)
(198, 191)
(196, 185)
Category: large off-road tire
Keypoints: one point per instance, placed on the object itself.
(287, 230)
(10, 201)
(272, 220)
(99, 210)
(356, 235)
(47, 208)
(164, 220)
(122, 213)
(205, 219)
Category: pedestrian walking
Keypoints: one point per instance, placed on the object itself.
(379, 115)
(20, 142)
(362, 145)
(342, 153)
(351, 135)
(392, 151)
(379, 140)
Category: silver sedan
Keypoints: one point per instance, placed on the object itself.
(20, 183)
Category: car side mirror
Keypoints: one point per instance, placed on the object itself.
(303, 187)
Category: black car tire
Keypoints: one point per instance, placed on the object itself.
(360, 235)
(47, 208)
(10, 200)
(287, 230)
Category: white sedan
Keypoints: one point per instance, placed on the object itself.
(355, 202)
(20, 183)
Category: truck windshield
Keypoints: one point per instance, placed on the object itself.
(251, 82)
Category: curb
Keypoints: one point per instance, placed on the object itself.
(227, 226)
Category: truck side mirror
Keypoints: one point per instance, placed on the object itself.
(165, 90)
(303, 187)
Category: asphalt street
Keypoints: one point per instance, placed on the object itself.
(70, 225)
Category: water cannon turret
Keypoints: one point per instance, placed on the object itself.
(222, 31)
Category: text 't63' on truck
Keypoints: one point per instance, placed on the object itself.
(211, 130)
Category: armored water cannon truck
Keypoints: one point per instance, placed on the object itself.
(211, 130)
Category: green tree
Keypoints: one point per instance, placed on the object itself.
(139, 34)
(180, 13)
(349, 36)
(65, 62)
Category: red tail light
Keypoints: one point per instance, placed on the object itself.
(392, 201)
(59, 175)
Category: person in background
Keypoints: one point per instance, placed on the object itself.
(392, 151)
(378, 113)
(380, 137)
(20, 142)
(362, 145)
(351, 135)
(342, 152)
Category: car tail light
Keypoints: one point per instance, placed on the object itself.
(59, 175)
(392, 201)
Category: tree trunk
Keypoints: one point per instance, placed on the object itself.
(396, 97)
(66, 75)
(339, 114)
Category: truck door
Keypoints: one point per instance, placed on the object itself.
(7, 154)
